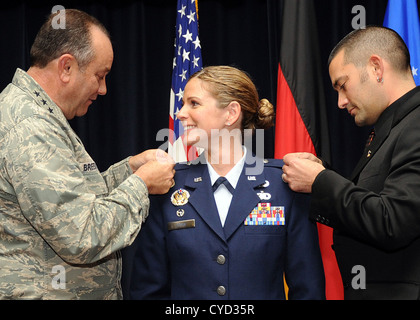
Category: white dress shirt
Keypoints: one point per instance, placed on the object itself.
(222, 195)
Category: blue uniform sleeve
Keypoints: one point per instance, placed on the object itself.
(146, 269)
(304, 269)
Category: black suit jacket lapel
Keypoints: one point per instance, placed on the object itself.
(381, 134)
(389, 119)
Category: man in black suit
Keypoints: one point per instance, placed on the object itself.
(375, 214)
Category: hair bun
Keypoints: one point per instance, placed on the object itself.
(265, 115)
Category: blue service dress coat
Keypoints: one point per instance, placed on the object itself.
(183, 252)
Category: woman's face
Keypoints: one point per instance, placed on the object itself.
(200, 115)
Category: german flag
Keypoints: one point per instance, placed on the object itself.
(301, 119)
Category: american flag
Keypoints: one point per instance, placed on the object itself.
(187, 60)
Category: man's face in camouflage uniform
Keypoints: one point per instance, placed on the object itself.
(85, 84)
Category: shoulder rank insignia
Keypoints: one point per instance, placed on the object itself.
(180, 197)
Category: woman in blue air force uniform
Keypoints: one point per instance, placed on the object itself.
(203, 244)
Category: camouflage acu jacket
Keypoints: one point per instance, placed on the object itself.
(62, 222)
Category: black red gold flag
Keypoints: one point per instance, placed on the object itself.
(301, 119)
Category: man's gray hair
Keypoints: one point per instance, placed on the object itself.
(75, 39)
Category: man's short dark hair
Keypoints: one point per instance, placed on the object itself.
(361, 44)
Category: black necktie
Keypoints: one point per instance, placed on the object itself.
(223, 180)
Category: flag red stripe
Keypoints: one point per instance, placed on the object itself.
(333, 283)
(292, 136)
(291, 132)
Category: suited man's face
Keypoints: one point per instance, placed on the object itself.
(358, 90)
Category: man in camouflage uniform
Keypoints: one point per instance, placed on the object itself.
(62, 222)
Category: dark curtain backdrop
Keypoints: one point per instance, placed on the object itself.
(243, 33)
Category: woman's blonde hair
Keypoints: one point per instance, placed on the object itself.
(228, 84)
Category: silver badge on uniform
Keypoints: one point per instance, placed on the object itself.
(264, 195)
(266, 184)
(180, 212)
